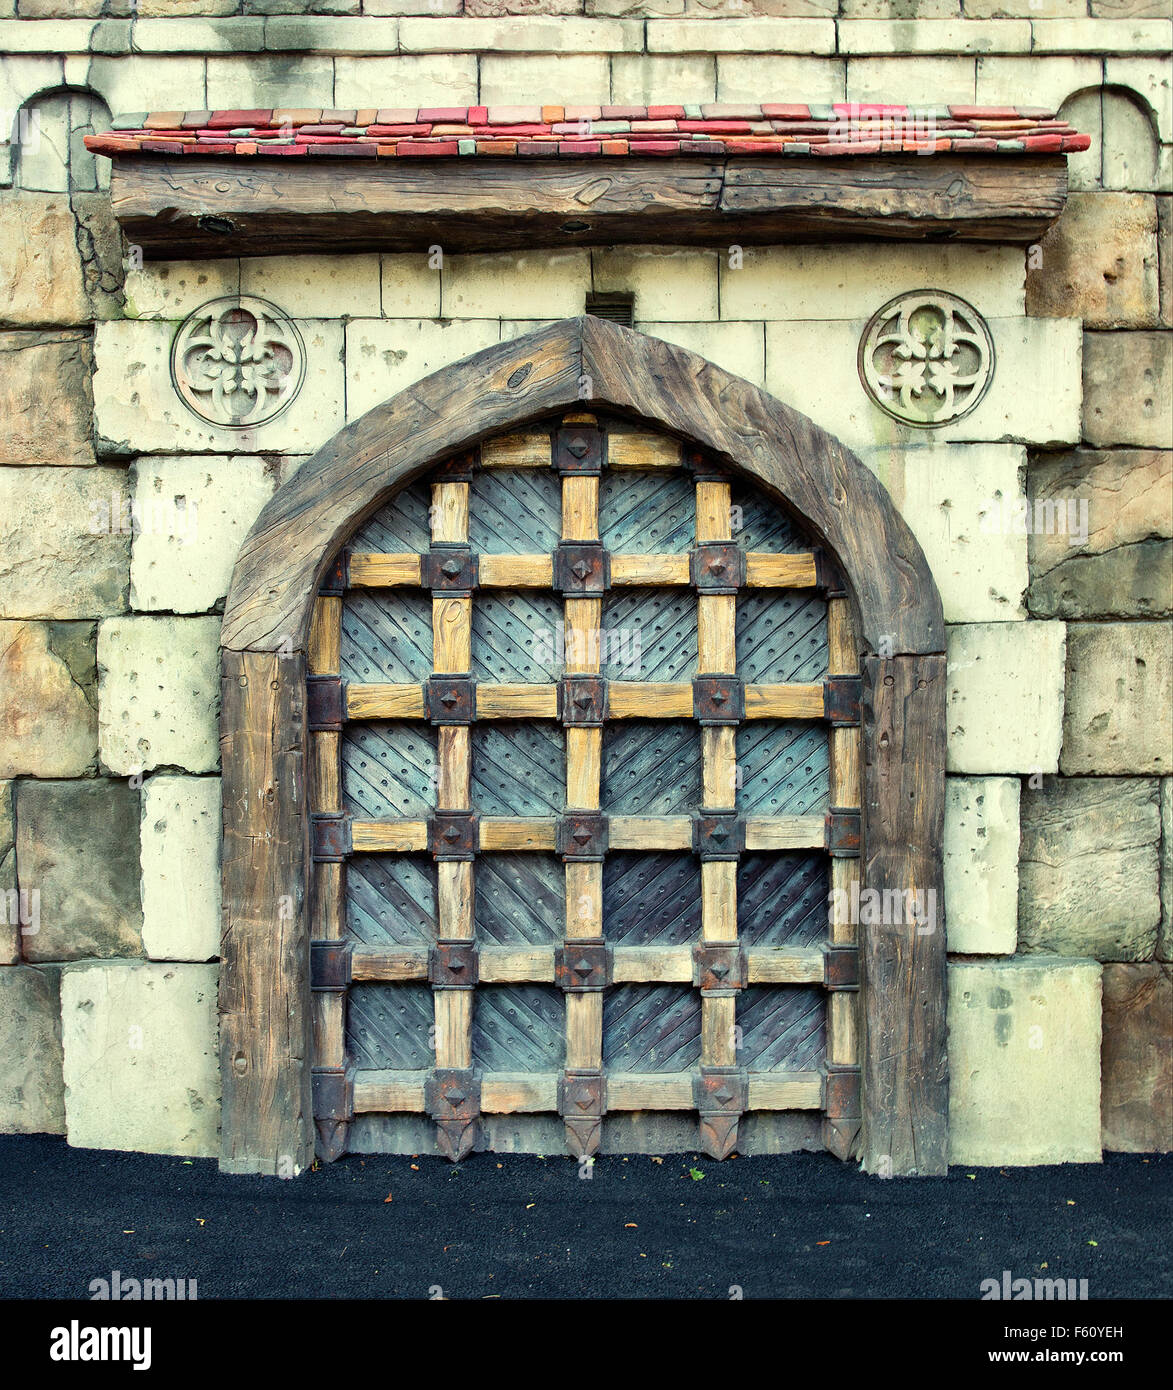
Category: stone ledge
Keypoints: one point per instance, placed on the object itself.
(904, 37)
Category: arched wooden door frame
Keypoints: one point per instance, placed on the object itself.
(265, 1017)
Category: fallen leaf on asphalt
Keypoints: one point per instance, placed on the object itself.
(630, 1226)
(387, 1199)
(822, 1242)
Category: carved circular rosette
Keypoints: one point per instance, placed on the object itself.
(926, 358)
(237, 362)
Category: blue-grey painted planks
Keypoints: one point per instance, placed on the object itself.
(781, 636)
(518, 768)
(651, 899)
(650, 634)
(647, 513)
(388, 769)
(402, 524)
(514, 511)
(391, 900)
(389, 1026)
(519, 898)
(782, 898)
(783, 768)
(515, 637)
(386, 636)
(782, 1028)
(651, 767)
(519, 1028)
(651, 1028)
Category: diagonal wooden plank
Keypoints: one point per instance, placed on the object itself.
(651, 767)
(514, 511)
(388, 1026)
(514, 637)
(760, 524)
(783, 767)
(782, 1029)
(663, 622)
(651, 1028)
(519, 898)
(647, 513)
(400, 525)
(386, 637)
(388, 768)
(781, 637)
(391, 899)
(651, 898)
(518, 1028)
(782, 898)
(518, 768)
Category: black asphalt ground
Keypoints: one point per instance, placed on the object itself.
(511, 1227)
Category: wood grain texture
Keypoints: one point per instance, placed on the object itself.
(649, 700)
(763, 571)
(629, 570)
(452, 635)
(323, 652)
(264, 1051)
(367, 570)
(509, 204)
(902, 966)
(791, 701)
(633, 449)
(384, 701)
(515, 571)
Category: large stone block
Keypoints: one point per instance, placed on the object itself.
(960, 502)
(317, 287)
(519, 285)
(191, 516)
(738, 347)
(1005, 697)
(77, 849)
(410, 286)
(41, 281)
(744, 76)
(921, 80)
(58, 556)
(246, 82)
(981, 864)
(1136, 1102)
(647, 79)
(181, 867)
(668, 284)
(1087, 880)
(1118, 714)
(138, 411)
(385, 355)
(32, 1093)
(429, 79)
(172, 289)
(802, 283)
(1165, 257)
(1099, 263)
(1116, 560)
(1024, 1062)
(159, 693)
(10, 916)
(580, 79)
(812, 365)
(140, 1057)
(1165, 938)
(1128, 389)
(46, 408)
(49, 699)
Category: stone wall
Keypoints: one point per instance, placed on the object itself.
(1059, 883)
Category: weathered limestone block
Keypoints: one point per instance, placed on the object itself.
(416, 79)
(1024, 1062)
(48, 699)
(140, 1057)
(1165, 939)
(981, 864)
(519, 285)
(1137, 1060)
(1005, 702)
(32, 1093)
(159, 693)
(1088, 876)
(745, 76)
(1118, 714)
(738, 347)
(99, 244)
(246, 82)
(138, 411)
(959, 500)
(11, 914)
(181, 867)
(410, 287)
(580, 79)
(191, 516)
(58, 557)
(318, 287)
(41, 281)
(172, 289)
(385, 355)
(77, 849)
(1128, 389)
(1099, 263)
(1123, 567)
(668, 283)
(836, 282)
(1165, 257)
(46, 409)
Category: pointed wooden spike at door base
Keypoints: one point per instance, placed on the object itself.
(582, 1134)
(842, 1137)
(331, 1139)
(456, 1139)
(719, 1135)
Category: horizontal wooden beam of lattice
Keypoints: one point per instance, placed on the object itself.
(631, 965)
(367, 570)
(625, 700)
(624, 832)
(511, 1093)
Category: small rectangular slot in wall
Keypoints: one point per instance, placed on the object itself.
(618, 308)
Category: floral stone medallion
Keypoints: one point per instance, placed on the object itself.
(926, 358)
(237, 362)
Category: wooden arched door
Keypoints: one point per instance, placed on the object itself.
(531, 810)
(584, 713)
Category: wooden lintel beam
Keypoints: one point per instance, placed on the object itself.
(192, 207)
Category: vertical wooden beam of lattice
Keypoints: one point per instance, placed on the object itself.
(841, 1130)
(720, 1095)
(582, 1097)
(328, 895)
(453, 1099)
